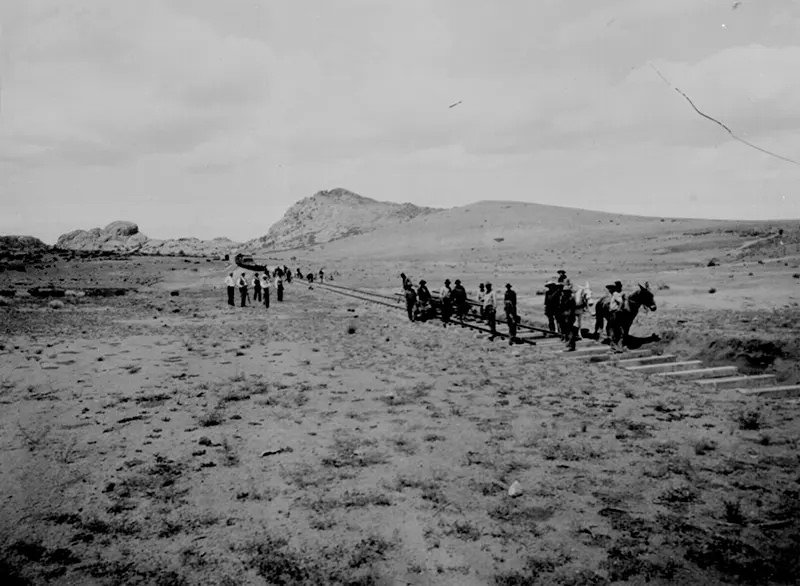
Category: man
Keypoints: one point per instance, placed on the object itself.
(256, 287)
(459, 296)
(231, 285)
(411, 299)
(423, 300)
(510, 306)
(406, 280)
(481, 297)
(299, 273)
(279, 286)
(490, 309)
(243, 288)
(445, 299)
(551, 305)
(567, 309)
(616, 309)
(321, 276)
(265, 288)
(562, 275)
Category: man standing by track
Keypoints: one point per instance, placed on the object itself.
(265, 288)
(243, 288)
(510, 306)
(459, 296)
(446, 302)
(231, 285)
(490, 309)
(481, 298)
(411, 299)
(256, 288)
(551, 305)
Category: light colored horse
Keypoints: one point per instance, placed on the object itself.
(583, 302)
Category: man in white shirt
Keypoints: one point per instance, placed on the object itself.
(265, 288)
(490, 308)
(229, 283)
(446, 305)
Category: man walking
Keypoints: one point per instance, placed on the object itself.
(490, 309)
(229, 283)
(510, 306)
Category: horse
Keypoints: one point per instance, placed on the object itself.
(640, 297)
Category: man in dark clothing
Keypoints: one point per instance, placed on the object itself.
(562, 276)
(551, 305)
(279, 288)
(321, 276)
(510, 306)
(423, 300)
(411, 299)
(446, 302)
(459, 296)
(299, 273)
(567, 309)
(490, 309)
(256, 287)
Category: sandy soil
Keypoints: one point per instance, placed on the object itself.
(158, 439)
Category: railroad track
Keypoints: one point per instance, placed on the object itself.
(643, 361)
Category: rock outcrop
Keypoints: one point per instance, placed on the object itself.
(20, 246)
(331, 215)
(124, 237)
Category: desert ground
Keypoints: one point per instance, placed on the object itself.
(161, 437)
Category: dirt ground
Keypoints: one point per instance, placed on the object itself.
(158, 439)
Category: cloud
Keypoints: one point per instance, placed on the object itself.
(101, 83)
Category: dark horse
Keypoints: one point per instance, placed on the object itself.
(641, 297)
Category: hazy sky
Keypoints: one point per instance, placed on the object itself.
(209, 118)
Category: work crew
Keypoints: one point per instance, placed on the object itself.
(510, 307)
(231, 285)
(490, 309)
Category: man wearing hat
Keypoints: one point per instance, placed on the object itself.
(445, 298)
(510, 306)
(562, 275)
(490, 308)
(551, 304)
(459, 297)
(411, 298)
(423, 299)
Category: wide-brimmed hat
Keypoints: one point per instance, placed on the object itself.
(447, 281)
(611, 287)
(618, 284)
(458, 281)
(561, 272)
(423, 282)
(508, 285)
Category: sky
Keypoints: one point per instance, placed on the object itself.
(206, 118)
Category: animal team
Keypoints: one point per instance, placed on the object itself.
(564, 307)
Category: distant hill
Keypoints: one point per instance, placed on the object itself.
(331, 215)
(122, 236)
(21, 246)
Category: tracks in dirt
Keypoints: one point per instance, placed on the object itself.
(644, 361)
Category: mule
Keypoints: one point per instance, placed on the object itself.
(641, 297)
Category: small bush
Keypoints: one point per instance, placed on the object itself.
(212, 418)
(712, 291)
(750, 420)
(56, 304)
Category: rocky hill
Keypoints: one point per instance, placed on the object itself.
(124, 236)
(13, 247)
(331, 215)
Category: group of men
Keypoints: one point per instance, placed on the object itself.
(453, 300)
(261, 284)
